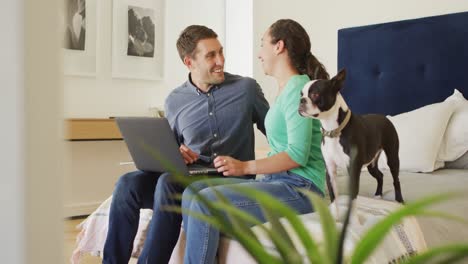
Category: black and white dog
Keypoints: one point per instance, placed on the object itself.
(350, 141)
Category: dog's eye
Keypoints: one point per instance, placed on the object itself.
(314, 96)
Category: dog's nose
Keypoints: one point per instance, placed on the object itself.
(303, 100)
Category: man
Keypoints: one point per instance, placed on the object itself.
(211, 114)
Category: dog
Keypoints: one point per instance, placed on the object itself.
(349, 140)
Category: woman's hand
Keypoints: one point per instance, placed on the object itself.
(230, 166)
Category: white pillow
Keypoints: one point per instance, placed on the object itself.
(455, 140)
(460, 163)
(420, 133)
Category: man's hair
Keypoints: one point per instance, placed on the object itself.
(189, 38)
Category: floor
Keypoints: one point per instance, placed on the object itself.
(69, 242)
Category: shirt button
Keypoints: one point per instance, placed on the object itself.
(208, 94)
(211, 113)
(215, 154)
(215, 135)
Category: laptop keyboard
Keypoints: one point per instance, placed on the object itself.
(203, 171)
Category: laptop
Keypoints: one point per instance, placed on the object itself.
(153, 146)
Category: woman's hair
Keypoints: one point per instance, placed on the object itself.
(297, 42)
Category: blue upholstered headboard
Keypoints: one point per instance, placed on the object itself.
(400, 66)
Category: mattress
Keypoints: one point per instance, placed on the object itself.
(414, 186)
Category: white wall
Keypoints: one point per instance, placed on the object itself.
(239, 32)
(322, 19)
(12, 199)
(104, 96)
(30, 228)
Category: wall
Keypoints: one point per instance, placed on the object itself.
(322, 19)
(12, 240)
(239, 33)
(30, 186)
(104, 96)
(90, 179)
(43, 133)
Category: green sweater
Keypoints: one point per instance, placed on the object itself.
(299, 137)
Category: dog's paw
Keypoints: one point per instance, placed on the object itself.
(378, 197)
(354, 219)
(333, 207)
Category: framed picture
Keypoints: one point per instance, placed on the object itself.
(137, 39)
(79, 50)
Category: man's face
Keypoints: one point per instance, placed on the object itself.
(207, 65)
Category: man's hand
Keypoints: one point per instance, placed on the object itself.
(188, 154)
(230, 166)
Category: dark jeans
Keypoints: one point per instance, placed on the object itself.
(202, 239)
(137, 190)
(134, 191)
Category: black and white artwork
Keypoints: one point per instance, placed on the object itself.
(138, 39)
(141, 32)
(75, 36)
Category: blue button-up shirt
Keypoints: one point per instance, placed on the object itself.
(220, 121)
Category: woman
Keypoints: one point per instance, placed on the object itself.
(295, 160)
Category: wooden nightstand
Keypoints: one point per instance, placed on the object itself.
(94, 151)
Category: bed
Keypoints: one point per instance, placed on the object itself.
(402, 69)
(408, 70)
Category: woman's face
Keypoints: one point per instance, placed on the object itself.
(267, 53)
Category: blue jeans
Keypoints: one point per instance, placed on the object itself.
(134, 191)
(203, 239)
(137, 190)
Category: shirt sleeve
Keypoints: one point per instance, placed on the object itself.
(170, 116)
(299, 130)
(260, 108)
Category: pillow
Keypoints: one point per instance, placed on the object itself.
(461, 163)
(455, 140)
(420, 133)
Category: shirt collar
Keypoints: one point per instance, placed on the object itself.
(191, 86)
(197, 90)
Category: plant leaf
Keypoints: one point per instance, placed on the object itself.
(280, 237)
(249, 242)
(444, 215)
(238, 218)
(212, 221)
(312, 249)
(458, 251)
(327, 221)
(234, 227)
(370, 240)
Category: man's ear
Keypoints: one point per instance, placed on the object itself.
(188, 61)
(338, 80)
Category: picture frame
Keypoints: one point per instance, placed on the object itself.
(138, 39)
(80, 17)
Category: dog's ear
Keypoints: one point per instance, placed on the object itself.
(338, 80)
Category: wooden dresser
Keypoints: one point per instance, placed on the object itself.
(94, 150)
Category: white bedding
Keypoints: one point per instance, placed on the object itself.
(414, 186)
(404, 240)
(418, 185)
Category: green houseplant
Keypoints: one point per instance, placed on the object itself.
(237, 224)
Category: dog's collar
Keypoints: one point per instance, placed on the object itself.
(337, 132)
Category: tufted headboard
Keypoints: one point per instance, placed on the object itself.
(400, 66)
